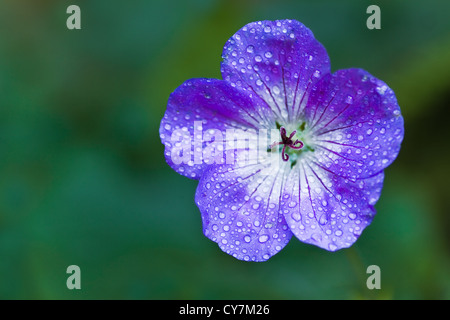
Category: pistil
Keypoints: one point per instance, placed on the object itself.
(287, 142)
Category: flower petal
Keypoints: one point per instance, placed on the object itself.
(355, 121)
(326, 210)
(201, 108)
(277, 60)
(240, 210)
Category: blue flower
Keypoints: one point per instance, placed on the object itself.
(319, 179)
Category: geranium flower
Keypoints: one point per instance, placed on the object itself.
(319, 179)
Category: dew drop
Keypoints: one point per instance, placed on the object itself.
(349, 100)
(382, 89)
(276, 90)
(316, 237)
(296, 216)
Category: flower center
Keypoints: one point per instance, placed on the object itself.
(287, 142)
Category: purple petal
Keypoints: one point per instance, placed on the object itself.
(326, 210)
(277, 60)
(240, 210)
(355, 122)
(202, 107)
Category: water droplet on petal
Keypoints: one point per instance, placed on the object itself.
(382, 89)
(276, 90)
(296, 216)
(316, 237)
(349, 100)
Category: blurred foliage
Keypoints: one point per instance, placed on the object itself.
(84, 181)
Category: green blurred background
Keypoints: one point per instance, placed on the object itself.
(83, 178)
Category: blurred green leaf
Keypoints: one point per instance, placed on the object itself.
(84, 179)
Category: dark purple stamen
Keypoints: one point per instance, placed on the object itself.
(287, 142)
